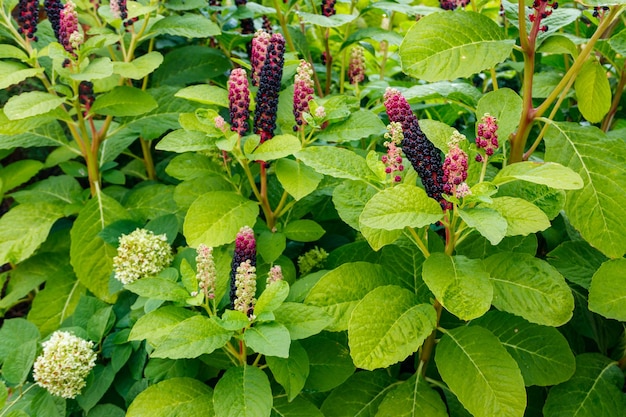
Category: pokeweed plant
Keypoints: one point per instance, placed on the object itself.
(364, 208)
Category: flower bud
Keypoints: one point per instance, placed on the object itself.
(311, 260)
(206, 272)
(487, 137)
(356, 69)
(245, 289)
(275, 274)
(303, 92)
(141, 254)
(239, 101)
(393, 159)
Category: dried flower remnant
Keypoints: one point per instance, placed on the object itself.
(28, 16)
(487, 137)
(422, 154)
(69, 35)
(275, 275)
(393, 159)
(312, 260)
(64, 363)
(269, 87)
(141, 254)
(455, 165)
(245, 250)
(356, 68)
(239, 101)
(245, 289)
(303, 92)
(206, 272)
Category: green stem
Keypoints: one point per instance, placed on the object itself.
(429, 344)
(418, 241)
(147, 158)
(329, 61)
(283, 25)
(608, 120)
(19, 397)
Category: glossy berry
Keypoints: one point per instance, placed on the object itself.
(239, 101)
(269, 87)
(260, 42)
(28, 15)
(245, 250)
(53, 10)
(328, 7)
(303, 92)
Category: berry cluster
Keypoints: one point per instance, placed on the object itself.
(328, 7)
(452, 4)
(53, 10)
(356, 69)
(275, 275)
(543, 9)
(247, 24)
(455, 165)
(269, 87)
(206, 272)
(69, 35)
(239, 99)
(487, 138)
(422, 154)
(600, 11)
(260, 42)
(303, 92)
(85, 94)
(393, 159)
(245, 289)
(27, 18)
(245, 251)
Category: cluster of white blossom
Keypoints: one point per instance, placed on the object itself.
(141, 254)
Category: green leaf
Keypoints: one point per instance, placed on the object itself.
(542, 353)
(191, 64)
(618, 42)
(296, 178)
(350, 198)
(18, 363)
(124, 101)
(155, 326)
(530, 287)
(185, 141)
(279, 147)
(401, 326)
(158, 289)
(522, 217)
(360, 124)
(360, 395)
(454, 90)
(14, 333)
(596, 210)
(195, 336)
(577, 261)
(4, 394)
(17, 173)
(548, 173)
(506, 106)
(438, 133)
(29, 104)
(459, 283)
(189, 166)
(47, 405)
(90, 256)
(24, 228)
(270, 245)
(10, 51)
(243, 391)
(302, 320)
(445, 46)
(486, 221)
(173, 397)
(327, 21)
(25, 278)
(593, 91)
(269, 339)
(404, 205)
(303, 231)
(272, 297)
(188, 26)
(472, 360)
(205, 94)
(151, 201)
(140, 67)
(291, 372)
(216, 217)
(411, 398)
(336, 162)
(14, 73)
(329, 363)
(595, 390)
(378, 238)
(338, 295)
(62, 189)
(607, 293)
(299, 407)
(97, 69)
(549, 200)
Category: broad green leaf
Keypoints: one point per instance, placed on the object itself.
(10, 51)
(298, 407)
(548, 173)
(14, 73)
(407, 260)
(106, 410)
(25, 278)
(13, 333)
(158, 289)
(47, 405)
(460, 284)
(329, 363)
(378, 238)
(577, 261)
(269, 339)
(98, 383)
(41, 133)
(297, 179)
(188, 26)
(291, 372)
(327, 22)
(302, 320)
(360, 124)
(593, 91)
(404, 205)
(139, 67)
(191, 64)
(18, 362)
(97, 69)
(549, 200)
(596, 210)
(195, 336)
(205, 94)
(595, 390)
(151, 201)
(272, 297)
(90, 256)
(542, 353)
(486, 221)
(360, 395)
(4, 394)
(303, 230)
(350, 198)
(124, 101)
(270, 245)
(243, 391)
(61, 189)
(472, 360)
(607, 293)
(412, 398)
(215, 218)
(445, 46)
(189, 166)
(438, 133)
(17, 173)
(336, 162)
(454, 90)
(506, 106)
(30, 104)
(278, 147)
(24, 228)
(401, 326)
(559, 44)
(522, 217)
(340, 290)
(185, 141)
(173, 397)
(155, 326)
(529, 287)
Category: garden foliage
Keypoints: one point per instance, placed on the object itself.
(381, 208)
